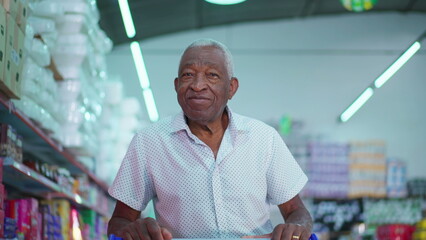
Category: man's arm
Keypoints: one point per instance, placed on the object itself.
(126, 223)
(298, 221)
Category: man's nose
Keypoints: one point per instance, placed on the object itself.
(199, 83)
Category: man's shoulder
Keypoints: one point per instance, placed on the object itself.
(162, 127)
(249, 123)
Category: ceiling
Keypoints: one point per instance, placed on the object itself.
(157, 17)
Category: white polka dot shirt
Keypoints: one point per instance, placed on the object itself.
(198, 196)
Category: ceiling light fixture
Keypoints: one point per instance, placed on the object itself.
(225, 2)
(382, 79)
(144, 81)
(357, 104)
(127, 18)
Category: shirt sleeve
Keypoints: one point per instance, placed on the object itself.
(133, 185)
(285, 178)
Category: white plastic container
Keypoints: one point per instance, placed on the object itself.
(69, 55)
(68, 90)
(71, 23)
(72, 39)
(41, 25)
(47, 8)
(69, 72)
(40, 53)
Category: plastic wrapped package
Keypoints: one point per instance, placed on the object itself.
(72, 39)
(72, 113)
(71, 23)
(49, 38)
(40, 53)
(31, 70)
(100, 40)
(68, 90)
(41, 25)
(130, 106)
(71, 138)
(78, 6)
(46, 8)
(69, 72)
(69, 55)
(113, 92)
(31, 89)
(29, 35)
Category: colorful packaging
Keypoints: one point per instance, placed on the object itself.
(1, 224)
(2, 196)
(395, 231)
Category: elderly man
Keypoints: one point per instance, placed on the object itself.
(210, 172)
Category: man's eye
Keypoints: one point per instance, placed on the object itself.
(213, 75)
(186, 74)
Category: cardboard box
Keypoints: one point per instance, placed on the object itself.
(11, 84)
(2, 42)
(18, 9)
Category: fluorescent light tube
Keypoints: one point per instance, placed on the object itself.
(386, 75)
(127, 18)
(225, 2)
(357, 104)
(140, 65)
(150, 105)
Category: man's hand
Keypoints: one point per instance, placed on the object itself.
(127, 224)
(291, 232)
(288, 231)
(145, 229)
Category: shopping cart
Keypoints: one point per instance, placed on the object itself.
(112, 237)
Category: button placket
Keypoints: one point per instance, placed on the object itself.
(218, 201)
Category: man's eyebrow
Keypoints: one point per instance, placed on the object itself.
(211, 64)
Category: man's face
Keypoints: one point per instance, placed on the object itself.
(203, 85)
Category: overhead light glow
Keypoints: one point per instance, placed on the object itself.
(386, 75)
(357, 104)
(150, 105)
(127, 18)
(225, 2)
(140, 65)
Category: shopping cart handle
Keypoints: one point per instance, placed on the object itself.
(113, 237)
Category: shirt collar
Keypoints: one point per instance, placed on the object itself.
(236, 123)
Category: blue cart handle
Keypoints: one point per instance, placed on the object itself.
(113, 237)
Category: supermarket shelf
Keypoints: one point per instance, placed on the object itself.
(27, 180)
(40, 144)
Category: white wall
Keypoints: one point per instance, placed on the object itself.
(310, 69)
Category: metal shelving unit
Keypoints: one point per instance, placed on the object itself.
(27, 180)
(38, 143)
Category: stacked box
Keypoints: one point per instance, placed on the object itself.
(12, 22)
(396, 178)
(25, 212)
(367, 169)
(51, 223)
(327, 170)
(18, 9)
(60, 211)
(3, 27)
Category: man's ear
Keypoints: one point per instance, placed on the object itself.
(176, 84)
(233, 87)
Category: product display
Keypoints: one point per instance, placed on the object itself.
(327, 169)
(367, 169)
(57, 116)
